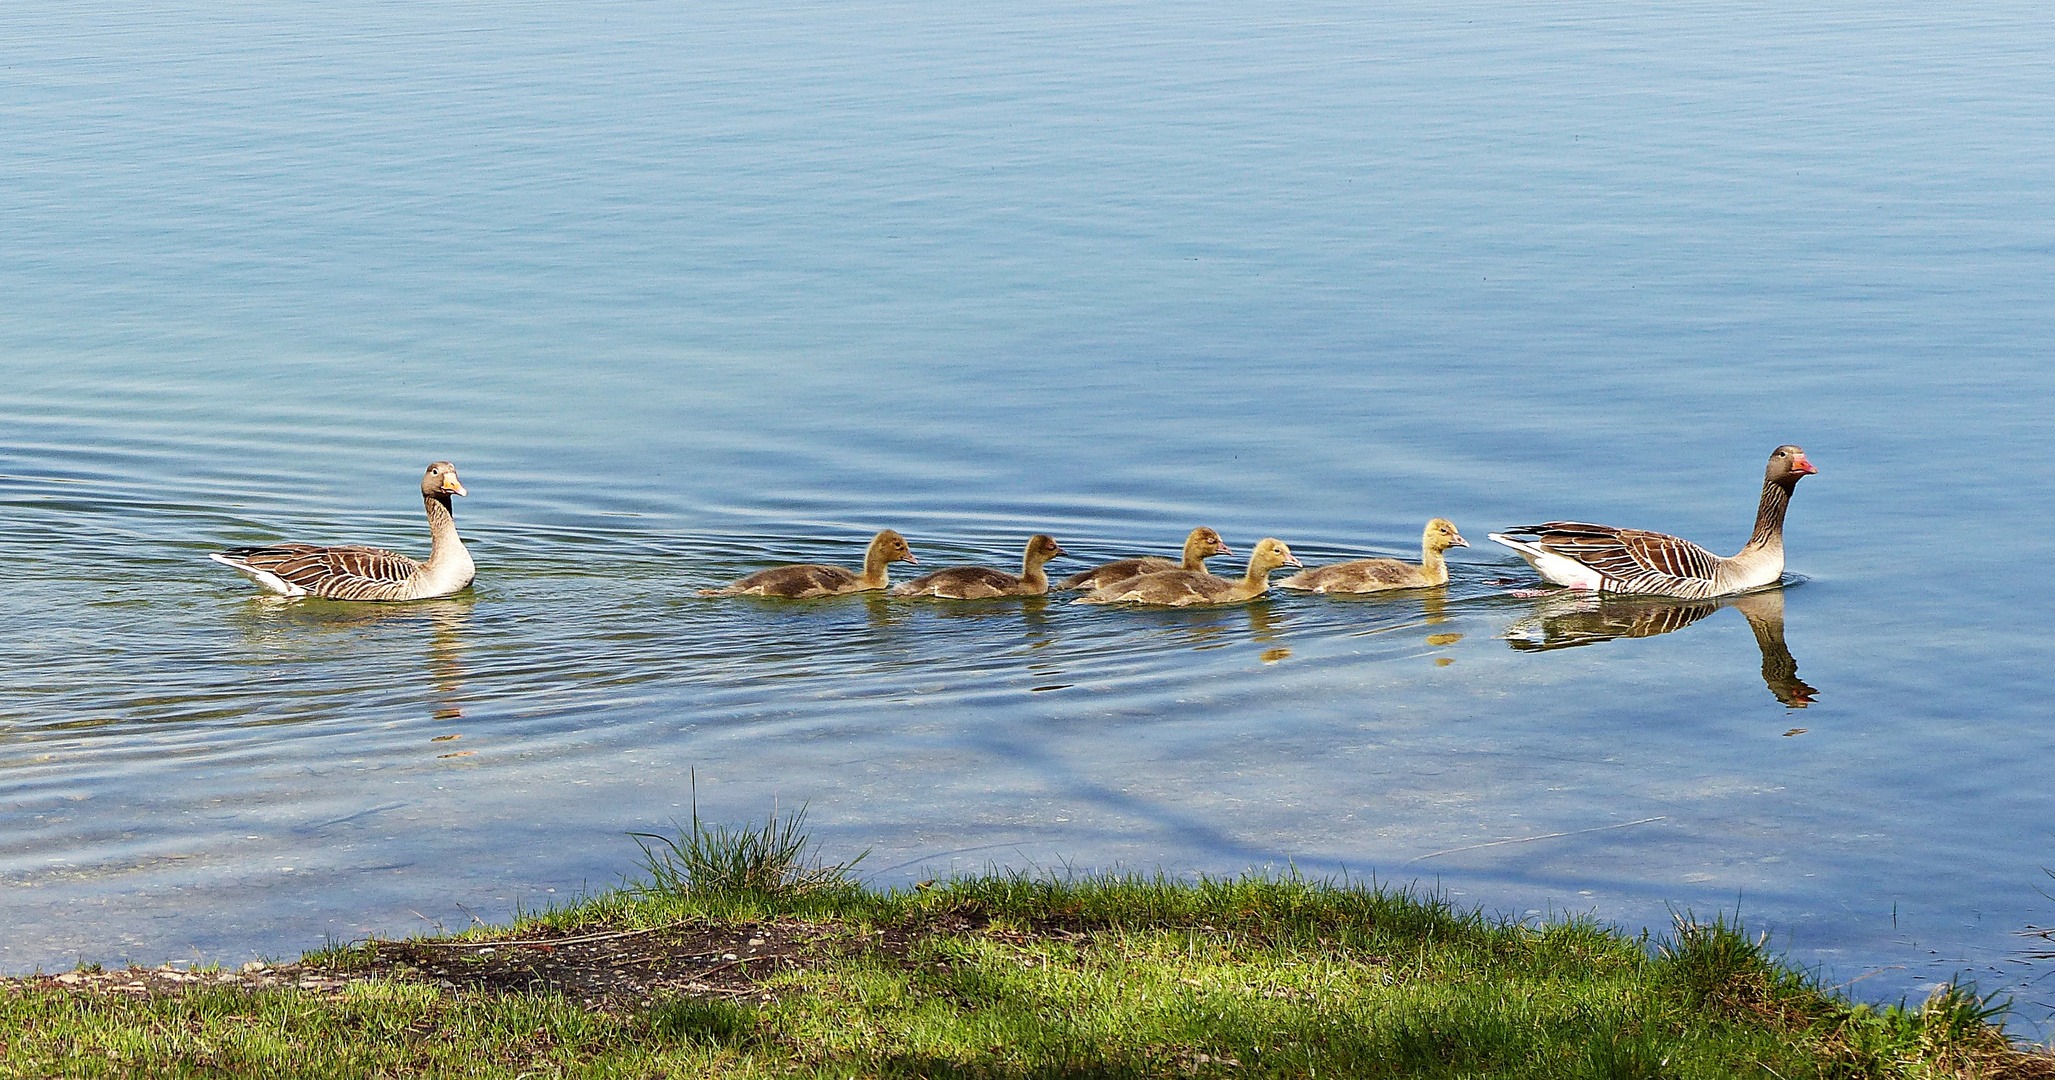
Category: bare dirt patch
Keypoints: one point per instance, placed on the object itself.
(598, 967)
(719, 960)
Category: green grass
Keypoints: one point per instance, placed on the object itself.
(776, 858)
(1008, 976)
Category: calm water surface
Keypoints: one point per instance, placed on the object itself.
(689, 290)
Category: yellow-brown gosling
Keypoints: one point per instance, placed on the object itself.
(1201, 545)
(1185, 588)
(367, 573)
(805, 581)
(979, 583)
(1379, 575)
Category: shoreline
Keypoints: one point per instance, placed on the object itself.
(759, 967)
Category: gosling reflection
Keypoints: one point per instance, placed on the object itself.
(1202, 628)
(1569, 619)
(1434, 607)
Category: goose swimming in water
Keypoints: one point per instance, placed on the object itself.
(1201, 545)
(1186, 588)
(367, 573)
(979, 582)
(808, 580)
(1379, 575)
(1601, 558)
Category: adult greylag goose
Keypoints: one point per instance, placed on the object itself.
(367, 573)
(808, 580)
(1604, 559)
(1201, 545)
(1378, 575)
(980, 583)
(1187, 588)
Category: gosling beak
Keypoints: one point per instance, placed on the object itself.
(1293, 560)
(1459, 541)
(452, 487)
(909, 558)
(1222, 550)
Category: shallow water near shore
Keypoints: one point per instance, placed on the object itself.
(688, 294)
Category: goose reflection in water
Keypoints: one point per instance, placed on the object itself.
(1570, 618)
(300, 624)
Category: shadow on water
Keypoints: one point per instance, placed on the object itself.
(1569, 619)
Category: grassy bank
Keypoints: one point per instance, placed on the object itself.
(757, 966)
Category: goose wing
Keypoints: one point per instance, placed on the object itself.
(1174, 588)
(1116, 571)
(1631, 560)
(1362, 575)
(338, 573)
(802, 581)
(960, 583)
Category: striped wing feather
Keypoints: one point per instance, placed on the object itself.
(337, 573)
(1636, 560)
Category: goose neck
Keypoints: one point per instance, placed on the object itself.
(1769, 518)
(876, 565)
(1433, 562)
(442, 529)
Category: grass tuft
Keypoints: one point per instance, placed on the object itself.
(775, 859)
(1715, 966)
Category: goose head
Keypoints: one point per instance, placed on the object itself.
(890, 547)
(1204, 544)
(1041, 548)
(1441, 535)
(1787, 464)
(440, 482)
(1270, 554)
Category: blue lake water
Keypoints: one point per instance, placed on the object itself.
(687, 290)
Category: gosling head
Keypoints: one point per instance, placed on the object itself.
(1270, 554)
(1041, 548)
(1787, 464)
(893, 547)
(1205, 543)
(1441, 535)
(441, 481)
